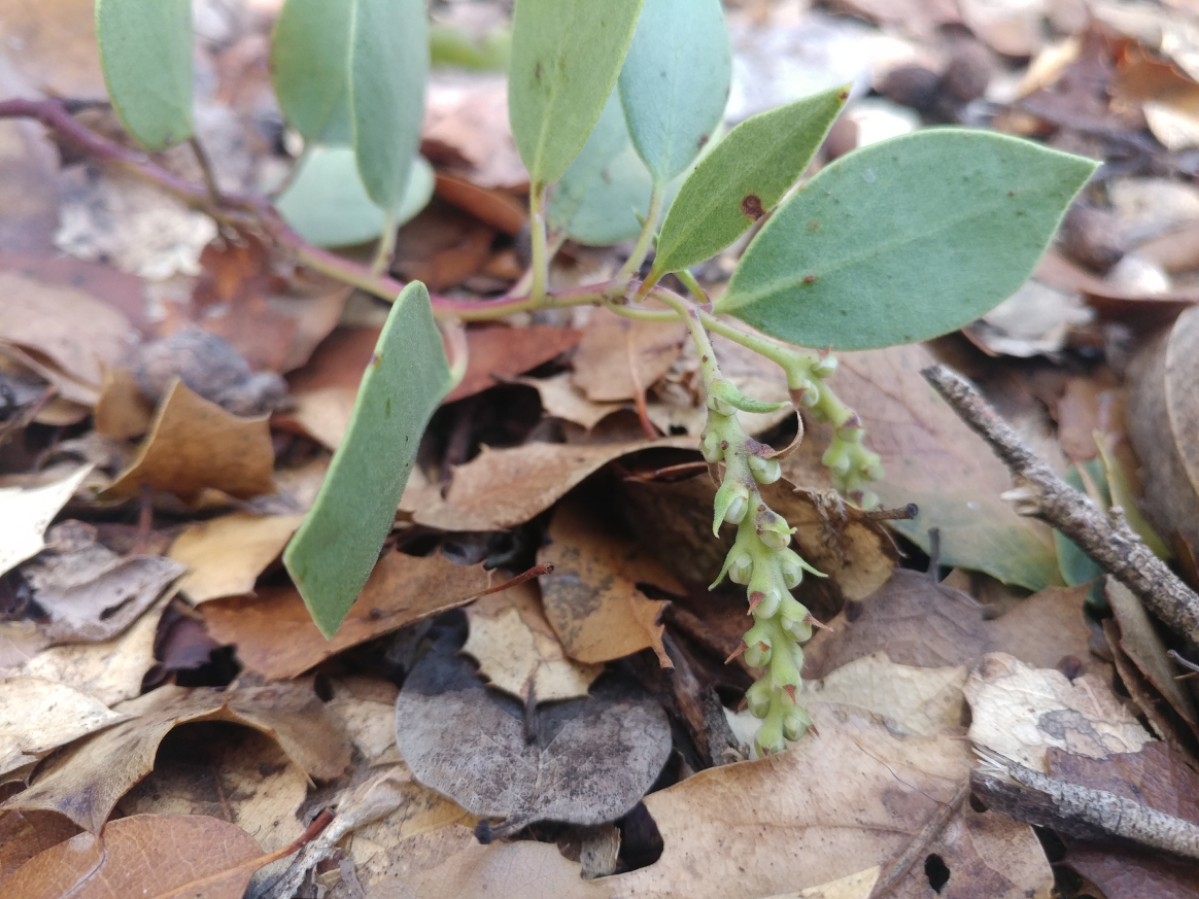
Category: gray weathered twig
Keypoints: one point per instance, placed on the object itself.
(1039, 492)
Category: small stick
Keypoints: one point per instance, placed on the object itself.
(1040, 493)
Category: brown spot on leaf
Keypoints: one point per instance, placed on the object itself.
(751, 205)
(809, 279)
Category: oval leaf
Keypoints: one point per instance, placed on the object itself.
(675, 82)
(389, 65)
(904, 240)
(326, 203)
(333, 552)
(599, 199)
(310, 52)
(742, 179)
(566, 57)
(146, 54)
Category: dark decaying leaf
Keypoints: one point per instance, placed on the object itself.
(588, 760)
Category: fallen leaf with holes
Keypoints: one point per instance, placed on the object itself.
(146, 855)
(37, 716)
(225, 555)
(594, 599)
(519, 653)
(506, 487)
(26, 512)
(85, 781)
(917, 621)
(1020, 712)
(195, 444)
(275, 635)
(582, 761)
(619, 359)
(88, 593)
(111, 671)
(861, 795)
(236, 775)
(41, 322)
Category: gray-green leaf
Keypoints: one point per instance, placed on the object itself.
(389, 66)
(675, 82)
(904, 240)
(310, 53)
(146, 55)
(566, 57)
(328, 206)
(742, 179)
(333, 552)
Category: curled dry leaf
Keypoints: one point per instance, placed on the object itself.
(275, 635)
(38, 715)
(519, 653)
(225, 555)
(505, 487)
(89, 593)
(145, 855)
(195, 444)
(582, 761)
(26, 512)
(85, 781)
(593, 599)
(1020, 712)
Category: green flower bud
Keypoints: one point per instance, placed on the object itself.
(757, 655)
(741, 568)
(836, 458)
(770, 736)
(824, 367)
(772, 529)
(806, 395)
(765, 594)
(758, 699)
(795, 620)
(783, 671)
(712, 446)
(795, 723)
(731, 504)
(765, 471)
(791, 568)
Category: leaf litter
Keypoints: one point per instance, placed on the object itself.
(599, 685)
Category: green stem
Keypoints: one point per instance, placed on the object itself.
(387, 244)
(644, 239)
(540, 261)
(692, 285)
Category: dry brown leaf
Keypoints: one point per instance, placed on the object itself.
(466, 128)
(38, 715)
(146, 855)
(121, 412)
(518, 651)
(225, 555)
(1010, 27)
(620, 358)
(235, 775)
(592, 599)
(54, 45)
(26, 834)
(493, 207)
(85, 781)
(90, 594)
(44, 320)
(275, 635)
(1020, 713)
(26, 512)
(1164, 427)
(194, 445)
(856, 795)
(505, 487)
(498, 354)
(560, 398)
(917, 621)
(365, 709)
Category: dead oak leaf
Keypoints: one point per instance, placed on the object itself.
(85, 781)
(194, 444)
(226, 555)
(593, 599)
(144, 855)
(619, 359)
(506, 487)
(275, 635)
(26, 512)
(519, 653)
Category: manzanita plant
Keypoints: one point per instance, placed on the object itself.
(616, 110)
